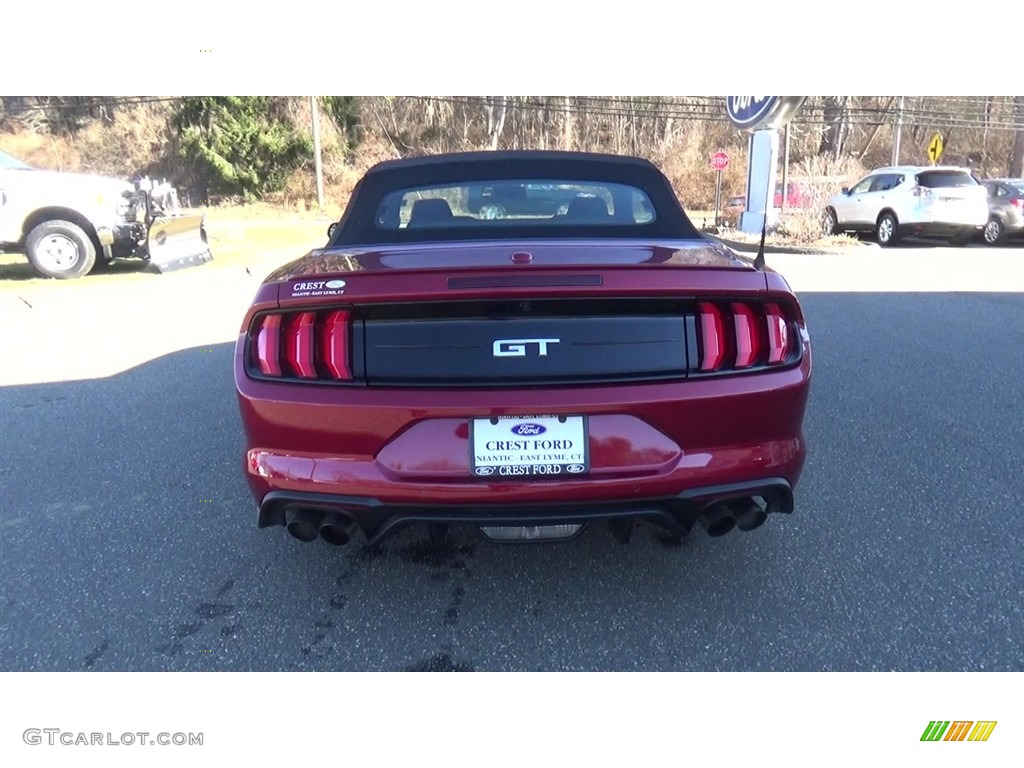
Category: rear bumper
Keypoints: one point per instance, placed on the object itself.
(378, 520)
(939, 228)
(944, 220)
(386, 458)
(1013, 222)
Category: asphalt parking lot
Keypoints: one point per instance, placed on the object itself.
(129, 543)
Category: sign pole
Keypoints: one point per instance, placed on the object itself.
(785, 170)
(317, 153)
(719, 162)
(718, 194)
(762, 116)
(897, 131)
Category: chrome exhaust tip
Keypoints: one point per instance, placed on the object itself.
(303, 524)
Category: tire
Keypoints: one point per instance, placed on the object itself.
(994, 232)
(887, 230)
(829, 223)
(60, 249)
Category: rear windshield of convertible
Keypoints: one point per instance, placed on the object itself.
(492, 206)
(511, 196)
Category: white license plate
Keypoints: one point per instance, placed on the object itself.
(529, 446)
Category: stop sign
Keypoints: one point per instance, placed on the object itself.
(720, 161)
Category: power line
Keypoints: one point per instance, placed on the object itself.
(100, 101)
(715, 113)
(1000, 110)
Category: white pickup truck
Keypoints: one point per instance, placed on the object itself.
(70, 223)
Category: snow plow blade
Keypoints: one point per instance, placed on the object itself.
(177, 242)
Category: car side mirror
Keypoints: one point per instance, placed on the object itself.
(846, 190)
(331, 229)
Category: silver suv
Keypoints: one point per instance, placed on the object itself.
(920, 201)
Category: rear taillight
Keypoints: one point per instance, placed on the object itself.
(1017, 202)
(741, 336)
(304, 345)
(921, 192)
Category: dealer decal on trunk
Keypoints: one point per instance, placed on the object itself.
(319, 288)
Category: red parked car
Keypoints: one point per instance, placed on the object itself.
(796, 196)
(530, 373)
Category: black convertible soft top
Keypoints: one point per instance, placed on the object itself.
(360, 224)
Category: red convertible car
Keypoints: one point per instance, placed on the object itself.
(585, 355)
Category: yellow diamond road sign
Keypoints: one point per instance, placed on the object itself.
(935, 148)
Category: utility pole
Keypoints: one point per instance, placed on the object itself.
(785, 171)
(896, 134)
(879, 124)
(316, 153)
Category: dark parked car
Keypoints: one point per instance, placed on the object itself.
(1006, 210)
(524, 375)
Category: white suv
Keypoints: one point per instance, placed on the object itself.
(920, 201)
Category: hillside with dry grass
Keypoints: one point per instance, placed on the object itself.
(832, 140)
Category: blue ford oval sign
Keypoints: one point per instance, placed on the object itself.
(748, 111)
(528, 429)
(757, 113)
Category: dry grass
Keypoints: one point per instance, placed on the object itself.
(42, 150)
(811, 242)
(136, 140)
(819, 179)
(341, 173)
(246, 236)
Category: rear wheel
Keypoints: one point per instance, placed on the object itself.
(887, 230)
(829, 224)
(60, 249)
(995, 232)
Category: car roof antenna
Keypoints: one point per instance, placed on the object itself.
(759, 259)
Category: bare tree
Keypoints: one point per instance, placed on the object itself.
(567, 124)
(833, 135)
(495, 124)
(1017, 160)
